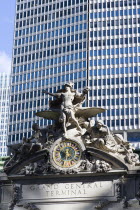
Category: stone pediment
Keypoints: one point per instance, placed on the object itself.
(91, 160)
(39, 164)
(73, 144)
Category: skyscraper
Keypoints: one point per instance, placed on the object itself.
(4, 112)
(90, 43)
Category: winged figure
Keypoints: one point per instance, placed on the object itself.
(67, 107)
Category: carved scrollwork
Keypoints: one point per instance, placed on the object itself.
(44, 167)
(54, 170)
(118, 190)
(102, 166)
(36, 168)
(16, 196)
(102, 204)
(97, 166)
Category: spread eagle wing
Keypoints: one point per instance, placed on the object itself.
(49, 114)
(88, 112)
(84, 112)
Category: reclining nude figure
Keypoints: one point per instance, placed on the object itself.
(67, 107)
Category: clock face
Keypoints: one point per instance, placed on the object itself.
(66, 154)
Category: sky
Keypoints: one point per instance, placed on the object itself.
(7, 16)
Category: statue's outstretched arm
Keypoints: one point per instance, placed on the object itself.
(85, 91)
(52, 94)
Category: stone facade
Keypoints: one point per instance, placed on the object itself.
(72, 164)
(113, 190)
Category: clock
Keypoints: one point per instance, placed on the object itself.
(66, 154)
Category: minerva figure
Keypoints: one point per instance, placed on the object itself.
(69, 100)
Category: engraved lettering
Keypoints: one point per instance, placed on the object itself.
(79, 192)
(56, 186)
(89, 186)
(78, 186)
(66, 190)
(49, 187)
(52, 193)
(95, 185)
(63, 192)
(101, 184)
(73, 192)
(67, 186)
(57, 192)
(84, 191)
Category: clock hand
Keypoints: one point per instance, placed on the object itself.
(67, 154)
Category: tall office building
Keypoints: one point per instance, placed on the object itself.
(90, 43)
(4, 112)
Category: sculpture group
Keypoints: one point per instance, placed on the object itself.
(72, 122)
